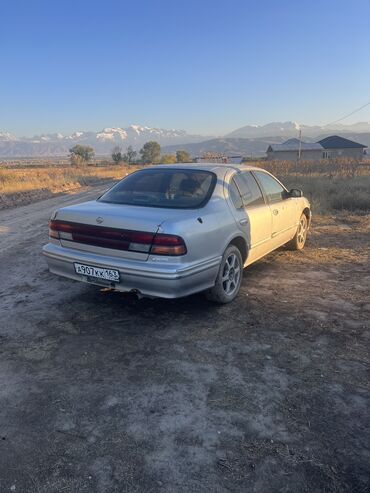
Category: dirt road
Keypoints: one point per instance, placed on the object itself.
(100, 392)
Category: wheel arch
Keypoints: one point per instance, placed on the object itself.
(241, 244)
(307, 212)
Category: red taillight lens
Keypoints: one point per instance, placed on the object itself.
(53, 231)
(118, 239)
(168, 245)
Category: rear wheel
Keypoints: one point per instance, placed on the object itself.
(299, 240)
(229, 277)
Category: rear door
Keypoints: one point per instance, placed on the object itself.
(280, 205)
(252, 213)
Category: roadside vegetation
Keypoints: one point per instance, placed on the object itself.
(20, 186)
(332, 185)
(81, 155)
(150, 153)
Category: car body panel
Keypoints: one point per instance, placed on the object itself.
(285, 214)
(153, 279)
(254, 222)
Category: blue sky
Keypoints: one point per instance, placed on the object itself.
(207, 66)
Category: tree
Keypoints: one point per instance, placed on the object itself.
(183, 157)
(80, 155)
(117, 155)
(151, 152)
(168, 159)
(130, 155)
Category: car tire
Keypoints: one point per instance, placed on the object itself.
(299, 240)
(229, 277)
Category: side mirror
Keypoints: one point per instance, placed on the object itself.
(295, 193)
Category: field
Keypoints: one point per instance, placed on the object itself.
(25, 184)
(330, 186)
(100, 391)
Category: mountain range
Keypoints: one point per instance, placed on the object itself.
(57, 144)
(250, 140)
(291, 129)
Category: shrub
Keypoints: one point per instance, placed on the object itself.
(168, 159)
(81, 155)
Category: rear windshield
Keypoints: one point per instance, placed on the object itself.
(171, 188)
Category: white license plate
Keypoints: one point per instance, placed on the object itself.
(98, 272)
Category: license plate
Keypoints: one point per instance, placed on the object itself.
(98, 272)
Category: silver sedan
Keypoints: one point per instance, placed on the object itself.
(173, 230)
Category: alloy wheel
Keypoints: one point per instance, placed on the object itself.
(302, 231)
(231, 274)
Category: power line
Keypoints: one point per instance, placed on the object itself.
(349, 114)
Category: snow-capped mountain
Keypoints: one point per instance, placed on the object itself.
(112, 134)
(7, 137)
(291, 129)
(137, 134)
(257, 131)
(360, 127)
(247, 140)
(57, 144)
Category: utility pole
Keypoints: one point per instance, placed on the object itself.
(299, 149)
(300, 144)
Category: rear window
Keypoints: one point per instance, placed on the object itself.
(170, 188)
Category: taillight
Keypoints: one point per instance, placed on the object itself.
(118, 239)
(60, 230)
(53, 231)
(168, 245)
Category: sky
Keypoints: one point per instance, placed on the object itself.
(206, 66)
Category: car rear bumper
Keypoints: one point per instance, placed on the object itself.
(147, 278)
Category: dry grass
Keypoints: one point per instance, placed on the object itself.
(333, 194)
(20, 186)
(333, 185)
(329, 185)
(57, 178)
(344, 168)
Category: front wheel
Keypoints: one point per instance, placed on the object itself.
(229, 277)
(299, 240)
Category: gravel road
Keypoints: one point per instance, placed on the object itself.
(101, 392)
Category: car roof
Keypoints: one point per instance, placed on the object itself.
(207, 166)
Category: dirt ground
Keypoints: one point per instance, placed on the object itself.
(100, 392)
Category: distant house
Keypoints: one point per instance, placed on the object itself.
(218, 157)
(328, 148)
(234, 159)
(289, 151)
(335, 146)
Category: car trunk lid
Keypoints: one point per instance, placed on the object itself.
(109, 229)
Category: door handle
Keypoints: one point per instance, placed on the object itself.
(243, 221)
(275, 212)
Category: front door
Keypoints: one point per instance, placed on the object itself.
(283, 223)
